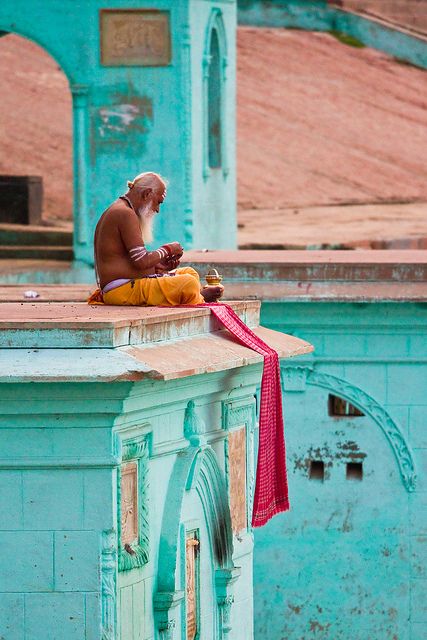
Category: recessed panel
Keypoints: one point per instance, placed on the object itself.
(237, 478)
(129, 503)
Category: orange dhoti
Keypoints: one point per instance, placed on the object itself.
(167, 290)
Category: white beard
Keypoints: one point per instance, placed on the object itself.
(146, 215)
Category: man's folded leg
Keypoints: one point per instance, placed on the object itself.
(181, 288)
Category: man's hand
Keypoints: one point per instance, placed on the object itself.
(176, 249)
(165, 266)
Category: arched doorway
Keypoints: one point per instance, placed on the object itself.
(37, 131)
(196, 548)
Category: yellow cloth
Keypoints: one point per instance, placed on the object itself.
(182, 288)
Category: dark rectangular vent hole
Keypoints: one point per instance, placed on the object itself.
(354, 471)
(339, 407)
(317, 470)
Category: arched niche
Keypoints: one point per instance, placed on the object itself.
(195, 469)
(79, 136)
(214, 94)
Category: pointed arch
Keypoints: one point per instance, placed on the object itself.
(296, 379)
(197, 468)
(215, 62)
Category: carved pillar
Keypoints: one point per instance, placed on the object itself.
(165, 603)
(187, 133)
(224, 578)
(166, 630)
(108, 584)
(81, 164)
(224, 607)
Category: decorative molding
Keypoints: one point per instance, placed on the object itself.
(206, 477)
(194, 426)
(133, 449)
(135, 554)
(235, 414)
(164, 604)
(369, 406)
(224, 579)
(166, 630)
(198, 469)
(186, 134)
(101, 462)
(294, 378)
(224, 607)
(108, 584)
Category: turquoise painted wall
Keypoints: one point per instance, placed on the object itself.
(62, 450)
(350, 558)
(318, 15)
(132, 119)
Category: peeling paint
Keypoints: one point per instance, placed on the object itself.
(126, 121)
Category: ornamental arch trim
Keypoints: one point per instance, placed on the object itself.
(197, 468)
(296, 379)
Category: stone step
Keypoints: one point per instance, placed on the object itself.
(41, 252)
(30, 235)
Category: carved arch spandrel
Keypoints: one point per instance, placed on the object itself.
(298, 377)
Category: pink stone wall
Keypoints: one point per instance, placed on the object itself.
(409, 13)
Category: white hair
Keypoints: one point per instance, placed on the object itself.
(145, 215)
(147, 180)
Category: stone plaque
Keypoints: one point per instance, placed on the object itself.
(135, 37)
(129, 503)
(237, 478)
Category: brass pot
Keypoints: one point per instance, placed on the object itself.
(213, 277)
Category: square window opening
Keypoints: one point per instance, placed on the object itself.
(317, 470)
(354, 471)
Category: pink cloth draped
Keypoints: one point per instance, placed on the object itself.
(271, 487)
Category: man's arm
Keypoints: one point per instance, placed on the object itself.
(130, 233)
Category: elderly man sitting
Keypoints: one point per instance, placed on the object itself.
(129, 274)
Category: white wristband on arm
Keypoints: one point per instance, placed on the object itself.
(137, 253)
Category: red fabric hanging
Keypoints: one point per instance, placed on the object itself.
(271, 487)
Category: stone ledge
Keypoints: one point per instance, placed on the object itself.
(77, 325)
(178, 358)
(291, 266)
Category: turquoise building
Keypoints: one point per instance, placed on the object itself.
(153, 88)
(127, 441)
(350, 558)
(127, 472)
